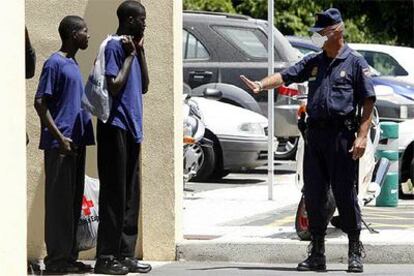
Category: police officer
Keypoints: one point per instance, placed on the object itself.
(336, 136)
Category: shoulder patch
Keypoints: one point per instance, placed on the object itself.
(366, 71)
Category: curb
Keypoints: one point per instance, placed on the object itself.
(282, 251)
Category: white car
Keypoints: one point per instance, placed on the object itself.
(238, 135)
(392, 61)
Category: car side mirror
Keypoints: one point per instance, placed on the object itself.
(212, 94)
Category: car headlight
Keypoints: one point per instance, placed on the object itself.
(403, 112)
(252, 128)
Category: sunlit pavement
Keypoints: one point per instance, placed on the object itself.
(261, 269)
(232, 218)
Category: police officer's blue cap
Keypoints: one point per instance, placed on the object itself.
(326, 18)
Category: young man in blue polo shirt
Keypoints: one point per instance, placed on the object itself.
(119, 146)
(66, 130)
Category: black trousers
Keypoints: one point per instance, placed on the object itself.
(328, 162)
(119, 192)
(65, 179)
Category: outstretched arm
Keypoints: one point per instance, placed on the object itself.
(269, 82)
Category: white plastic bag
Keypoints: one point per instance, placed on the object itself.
(96, 99)
(89, 220)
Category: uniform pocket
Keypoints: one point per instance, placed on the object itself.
(342, 97)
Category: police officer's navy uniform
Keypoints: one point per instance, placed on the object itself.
(336, 87)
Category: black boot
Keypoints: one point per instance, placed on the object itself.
(355, 254)
(134, 265)
(110, 265)
(316, 260)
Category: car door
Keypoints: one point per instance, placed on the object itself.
(197, 69)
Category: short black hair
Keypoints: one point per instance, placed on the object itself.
(129, 8)
(69, 24)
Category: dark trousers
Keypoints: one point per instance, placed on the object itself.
(328, 162)
(65, 179)
(119, 192)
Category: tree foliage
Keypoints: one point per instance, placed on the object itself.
(370, 21)
(210, 5)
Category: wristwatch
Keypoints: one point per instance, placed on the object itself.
(259, 83)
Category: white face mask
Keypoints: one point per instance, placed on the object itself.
(318, 40)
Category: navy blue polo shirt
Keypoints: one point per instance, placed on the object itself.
(127, 106)
(336, 86)
(61, 82)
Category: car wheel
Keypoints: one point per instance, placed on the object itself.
(207, 166)
(219, 172)
(286, 149)
(193, 159)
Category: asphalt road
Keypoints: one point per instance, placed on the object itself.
(230, 269)
(253, 177)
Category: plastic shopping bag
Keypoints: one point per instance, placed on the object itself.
(89, 219)
(96, 98)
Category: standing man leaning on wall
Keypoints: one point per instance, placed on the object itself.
(338, 82)
(119, 141)
(66, 130)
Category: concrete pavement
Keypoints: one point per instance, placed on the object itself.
(238, 224)
(230, 269)
(232, 221)
(259, 269)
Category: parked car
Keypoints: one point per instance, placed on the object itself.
(390, 61)
(395, 97)
(218, 48)
(238, 135)
(399, 86)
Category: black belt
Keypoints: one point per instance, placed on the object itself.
(339, 123)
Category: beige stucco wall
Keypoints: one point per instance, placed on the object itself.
(161, 200)
(162, 148)
(12, 140)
